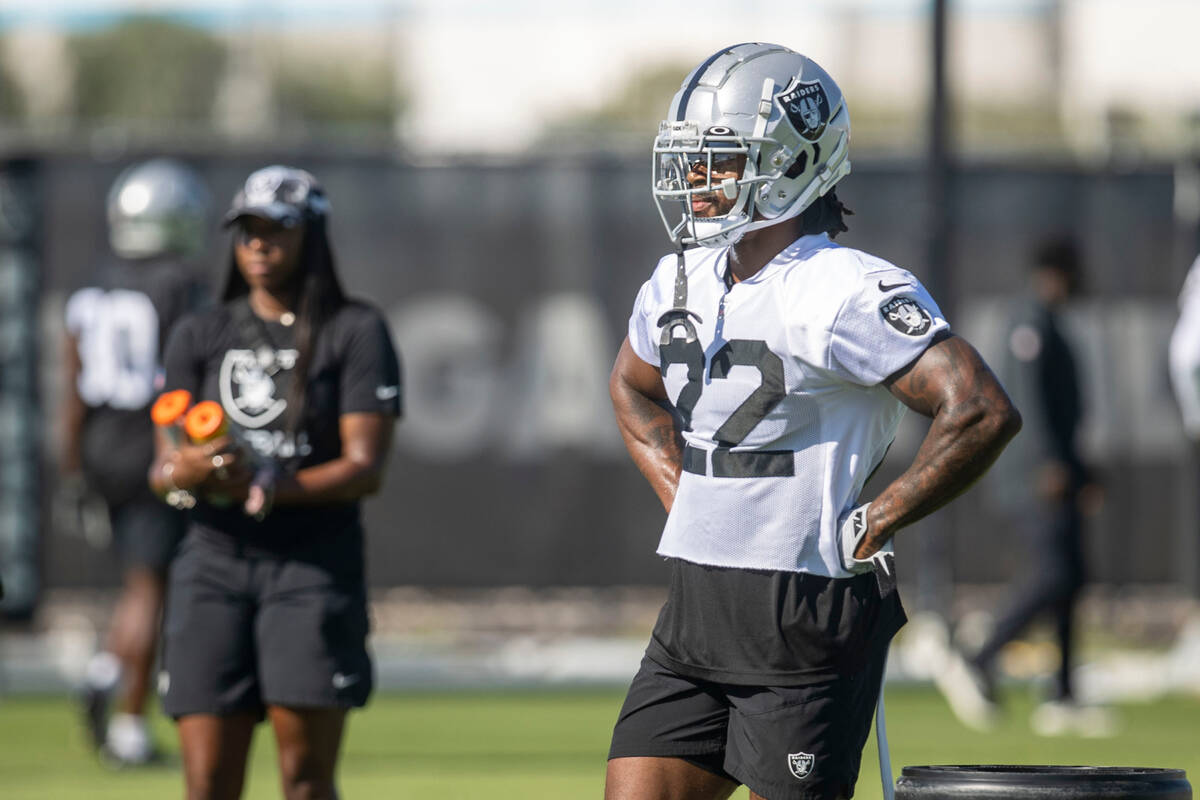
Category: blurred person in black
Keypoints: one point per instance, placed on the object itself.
(1052, 486)
(268, 611)
(116, 325)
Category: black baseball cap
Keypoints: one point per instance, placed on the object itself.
(286, 195)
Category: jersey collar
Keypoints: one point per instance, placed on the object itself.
(797, 250)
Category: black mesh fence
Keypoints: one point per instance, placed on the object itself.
(508, 286)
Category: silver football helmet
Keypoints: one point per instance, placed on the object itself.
(761, 105)
(157, 208)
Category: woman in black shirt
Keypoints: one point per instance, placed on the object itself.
(267, 613)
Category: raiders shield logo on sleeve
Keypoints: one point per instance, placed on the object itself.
(800, 764)
(906, 315)
(807, 108)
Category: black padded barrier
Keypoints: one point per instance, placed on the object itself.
(1029, 782)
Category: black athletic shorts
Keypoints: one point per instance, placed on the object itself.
(146, 532)
(784, 743)
(245, 631)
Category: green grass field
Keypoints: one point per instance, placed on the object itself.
(552, 744)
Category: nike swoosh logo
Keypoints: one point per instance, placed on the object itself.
(387, 392)
(887, 287)
(341, 681)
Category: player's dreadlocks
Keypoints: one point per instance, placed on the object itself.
(825, 215)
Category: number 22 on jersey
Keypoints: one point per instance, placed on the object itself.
(754, 353)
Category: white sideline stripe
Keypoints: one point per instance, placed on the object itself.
(53, 661)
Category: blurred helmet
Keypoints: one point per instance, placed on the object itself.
(157, 208)
(286, 195)
(768, 104)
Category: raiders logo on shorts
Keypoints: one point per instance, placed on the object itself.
(800, 764)
(906, 315)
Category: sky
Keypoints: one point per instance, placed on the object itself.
(87, 13)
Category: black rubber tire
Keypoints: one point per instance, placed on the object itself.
(1028, 782)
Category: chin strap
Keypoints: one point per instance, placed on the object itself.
(885, 758)
(678, 315)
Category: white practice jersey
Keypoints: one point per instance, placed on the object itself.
(1184, 352)
(784, 413)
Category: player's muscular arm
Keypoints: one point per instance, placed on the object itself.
(357, 472)
(973, 420)
(648, 428)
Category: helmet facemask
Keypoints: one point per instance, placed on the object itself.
(707, 178)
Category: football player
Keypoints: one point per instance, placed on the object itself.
(1184, 353)
(116, 327)
(1184, 359)
(764, 375)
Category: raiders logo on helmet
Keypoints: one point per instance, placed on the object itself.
(906, 315)
(807, 108)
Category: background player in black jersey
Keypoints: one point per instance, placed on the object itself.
(1047, 489)
(268, 611)
(116, 326)
(763, 378)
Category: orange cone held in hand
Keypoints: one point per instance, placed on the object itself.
(170, 407)
(205, 422)
(169, 411)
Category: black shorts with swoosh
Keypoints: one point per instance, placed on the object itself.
(242, 633)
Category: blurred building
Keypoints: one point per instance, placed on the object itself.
(453, 76)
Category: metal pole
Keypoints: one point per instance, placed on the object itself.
(938, 165)
(935, 574)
